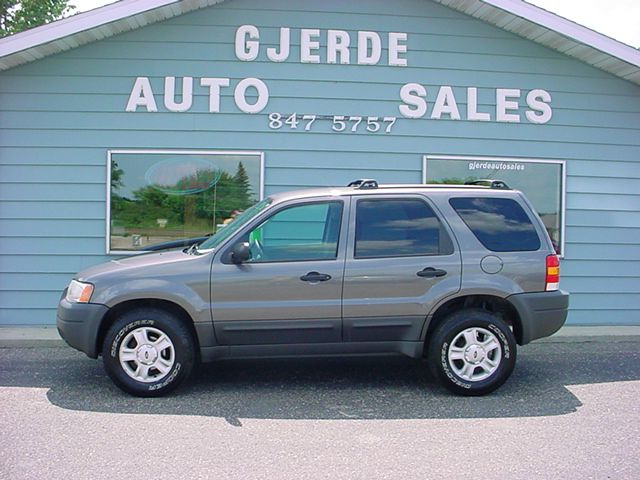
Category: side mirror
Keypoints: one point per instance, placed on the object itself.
(240, 253)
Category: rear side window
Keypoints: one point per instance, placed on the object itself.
(398, 227)
(500, 224)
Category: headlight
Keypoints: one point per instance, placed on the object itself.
(79, 292)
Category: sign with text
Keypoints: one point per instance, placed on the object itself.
(339, 47)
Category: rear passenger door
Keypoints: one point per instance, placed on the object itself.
(401, 258)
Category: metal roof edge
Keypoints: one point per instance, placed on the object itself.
(77, 23)
(572, 39)
(569, 28)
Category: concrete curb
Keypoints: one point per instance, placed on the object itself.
(47, 336)
(30, 336)
(581, 334)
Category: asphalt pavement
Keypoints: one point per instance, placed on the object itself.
(570, 410)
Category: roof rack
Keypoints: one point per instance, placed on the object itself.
(364, 183)
(488, 182)
(370, 184)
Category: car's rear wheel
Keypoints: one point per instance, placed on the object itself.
(148, 352)
(472, 352)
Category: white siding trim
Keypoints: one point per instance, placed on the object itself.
(87, 27)
(555, 32)
(516, 16)
(569, 29)
(77, 23)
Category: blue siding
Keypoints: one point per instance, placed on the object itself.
(60, 115)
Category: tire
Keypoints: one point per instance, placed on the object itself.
(148, 352)
(472, 352)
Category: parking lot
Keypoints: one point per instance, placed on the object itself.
(570, 410)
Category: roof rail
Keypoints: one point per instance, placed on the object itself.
(371, 184)
(488, 182)
(364, 183)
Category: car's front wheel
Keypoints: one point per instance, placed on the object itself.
(148, 352)
(472, 352)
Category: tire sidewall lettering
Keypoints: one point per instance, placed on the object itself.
(172, 376)
(447, 369)
(144, 323)
(453, 378)
(506, 351)
(123, 331)
(171, 325)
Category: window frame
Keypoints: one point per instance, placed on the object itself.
(146, 151)
(296, 205)
(563, 181)
(224, 257)
(444, 226)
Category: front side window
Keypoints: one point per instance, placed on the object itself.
(235, 225)
(299, 233)
(398, 227)
(160, 198)
(500, 224)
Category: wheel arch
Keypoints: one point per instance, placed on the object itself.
(490, 303)
(128, 305)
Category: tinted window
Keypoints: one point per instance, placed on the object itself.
(298, 233)
(398, 227)
(500, 224)
(542, 182)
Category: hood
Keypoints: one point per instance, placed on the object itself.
(145, 260)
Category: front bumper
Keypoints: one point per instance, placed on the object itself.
(541, 314)
(79, 324)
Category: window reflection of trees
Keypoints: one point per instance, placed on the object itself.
(193, 205)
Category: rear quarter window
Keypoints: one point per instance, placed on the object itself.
(500, 224)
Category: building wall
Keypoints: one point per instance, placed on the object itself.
(60, 115)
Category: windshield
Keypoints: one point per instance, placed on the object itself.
(225, 232)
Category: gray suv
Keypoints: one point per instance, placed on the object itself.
(456, 274)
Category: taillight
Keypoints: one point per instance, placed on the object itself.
(552, 280)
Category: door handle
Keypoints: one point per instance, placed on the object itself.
(315, 277)
(431, 272)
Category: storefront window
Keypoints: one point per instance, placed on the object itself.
(542, 181)
(161, 197)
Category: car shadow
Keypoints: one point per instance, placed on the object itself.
(330, 388)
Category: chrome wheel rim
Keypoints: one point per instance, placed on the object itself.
(147, 354)
(474, 354)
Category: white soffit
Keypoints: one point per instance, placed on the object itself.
(516, 16)
(558, 33)
(90, 26)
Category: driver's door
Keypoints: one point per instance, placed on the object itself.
(290, 290)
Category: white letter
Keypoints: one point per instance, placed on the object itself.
(285, 41)
(539, 100)
(472, 106)
(445, 103)
(247, 50)
(240, 95)
(334, 46)
(141, 96)
(502, 105)
(395, 48)
(363, 48)
(170, 94)
(412, 94)
(214, 85)
(306, 45)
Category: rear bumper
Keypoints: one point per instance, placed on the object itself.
(79, 323)
(541, 314)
